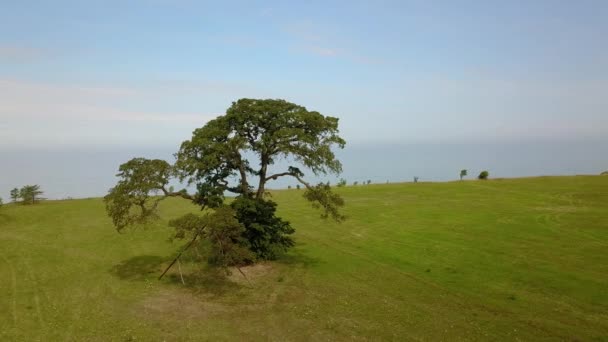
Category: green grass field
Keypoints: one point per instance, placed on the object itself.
(518, 259)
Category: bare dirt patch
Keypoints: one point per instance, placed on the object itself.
(179, 305)
(254, 273)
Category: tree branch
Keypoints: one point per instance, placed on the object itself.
(287, 173)
(182, 194)
(198, 232)
(277, 175)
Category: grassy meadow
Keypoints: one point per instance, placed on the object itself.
(514, 259)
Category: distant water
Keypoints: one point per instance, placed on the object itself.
(78, 173)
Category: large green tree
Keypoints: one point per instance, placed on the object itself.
(233, 154)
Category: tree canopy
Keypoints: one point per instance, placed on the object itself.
(463, 173)
(15, 195)
(232, 154)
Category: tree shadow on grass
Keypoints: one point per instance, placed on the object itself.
(204, 279)
(297, 257)
(197, 275)
(139, 267)
(207, 280)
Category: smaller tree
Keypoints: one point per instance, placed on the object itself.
(30, 194)
(355, 183)
(15, 195)
(605, 173)
(341, 182)
(416, 179)
(484, 175)
(463, 173)
(369, 181)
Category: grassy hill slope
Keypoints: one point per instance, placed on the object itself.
(474, 260)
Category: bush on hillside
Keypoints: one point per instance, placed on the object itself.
(484, 175)
(265, 234)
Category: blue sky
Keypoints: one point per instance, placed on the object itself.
(148, 72)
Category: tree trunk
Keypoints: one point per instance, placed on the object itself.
(263, 170)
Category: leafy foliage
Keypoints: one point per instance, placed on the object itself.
(228, 239)
(341, 182)
(322, 197)
(130, 202)
(222, 230)
(267, 235)
(484, 175)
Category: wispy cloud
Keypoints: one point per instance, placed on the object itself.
(266, 12)
(23, 101)
(22, 54)
(322, 51)
(319, 42)
(53, 114)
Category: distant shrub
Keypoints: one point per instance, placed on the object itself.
(355, 183)
(369, 181)
(415, 179)
(484, 175)
(289, 187)
(341, 182)
(298, 186)
(605, 173)
(0, 202)
(463, 173)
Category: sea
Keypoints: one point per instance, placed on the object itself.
(83, 172)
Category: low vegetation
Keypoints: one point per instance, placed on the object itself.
(512, 259)
(483, 175)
